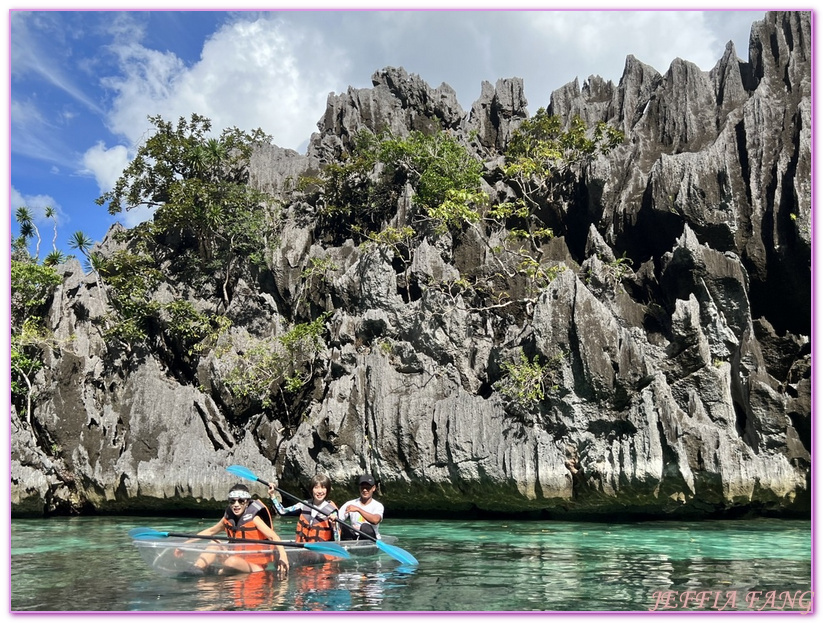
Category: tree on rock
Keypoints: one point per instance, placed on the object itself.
(198, 187)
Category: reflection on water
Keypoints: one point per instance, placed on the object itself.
(318, 588)
(464, 566)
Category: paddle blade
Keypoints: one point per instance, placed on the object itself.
(331, 549)
(242, 472)
(398, 553)
(147, 533)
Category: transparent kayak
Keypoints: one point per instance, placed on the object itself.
(175, 556)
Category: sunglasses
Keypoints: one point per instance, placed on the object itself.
(237, 500)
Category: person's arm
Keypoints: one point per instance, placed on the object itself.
(335, 527)
(282, 559)
(372, 518)
(294, 509)
(212, 530)
(205, 557)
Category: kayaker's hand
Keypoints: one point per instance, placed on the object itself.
(282, 568)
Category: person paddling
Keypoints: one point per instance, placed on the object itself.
(244, 518)
(365, 513)
(316, 515)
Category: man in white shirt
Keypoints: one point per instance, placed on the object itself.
(364, 513)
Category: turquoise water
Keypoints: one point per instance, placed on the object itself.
(89, 564)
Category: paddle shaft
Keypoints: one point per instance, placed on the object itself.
(294, 497)
(234, 539)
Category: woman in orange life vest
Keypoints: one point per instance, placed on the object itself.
(246, 519)
(312, 525)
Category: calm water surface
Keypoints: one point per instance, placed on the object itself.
(493, 566)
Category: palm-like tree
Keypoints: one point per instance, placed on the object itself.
(196, 158)
(51, 213)
(54, 258)
(22, 215)
(94, 261)
(27, 228)
(81, 242)
(216, 155)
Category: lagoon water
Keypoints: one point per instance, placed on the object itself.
(89, 564)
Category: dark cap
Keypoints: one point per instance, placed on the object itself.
(366, 478)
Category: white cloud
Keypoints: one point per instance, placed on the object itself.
(28, 56)
(24, 113)
(105, 164)
(37, 205)
(657, 38)
(145, 88)
(598, 42)
(137, 215)
(34, 136)
(251, 74)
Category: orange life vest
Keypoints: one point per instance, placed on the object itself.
(315, 528)
(243, 528)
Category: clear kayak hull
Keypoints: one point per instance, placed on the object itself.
(175, 556)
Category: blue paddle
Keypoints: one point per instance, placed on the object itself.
(332, 549)
(395, 552)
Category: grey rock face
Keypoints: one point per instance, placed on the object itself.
(399, 103)
(677, 327)
(497, 113)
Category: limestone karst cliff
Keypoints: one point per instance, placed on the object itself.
(677, 324)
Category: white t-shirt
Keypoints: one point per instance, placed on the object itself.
(356, 518)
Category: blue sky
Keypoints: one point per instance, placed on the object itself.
(82, 83)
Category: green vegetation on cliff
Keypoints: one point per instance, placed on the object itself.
(204, 205)
(210, 228)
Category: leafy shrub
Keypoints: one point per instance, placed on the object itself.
(526, 383)
(284, 363)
